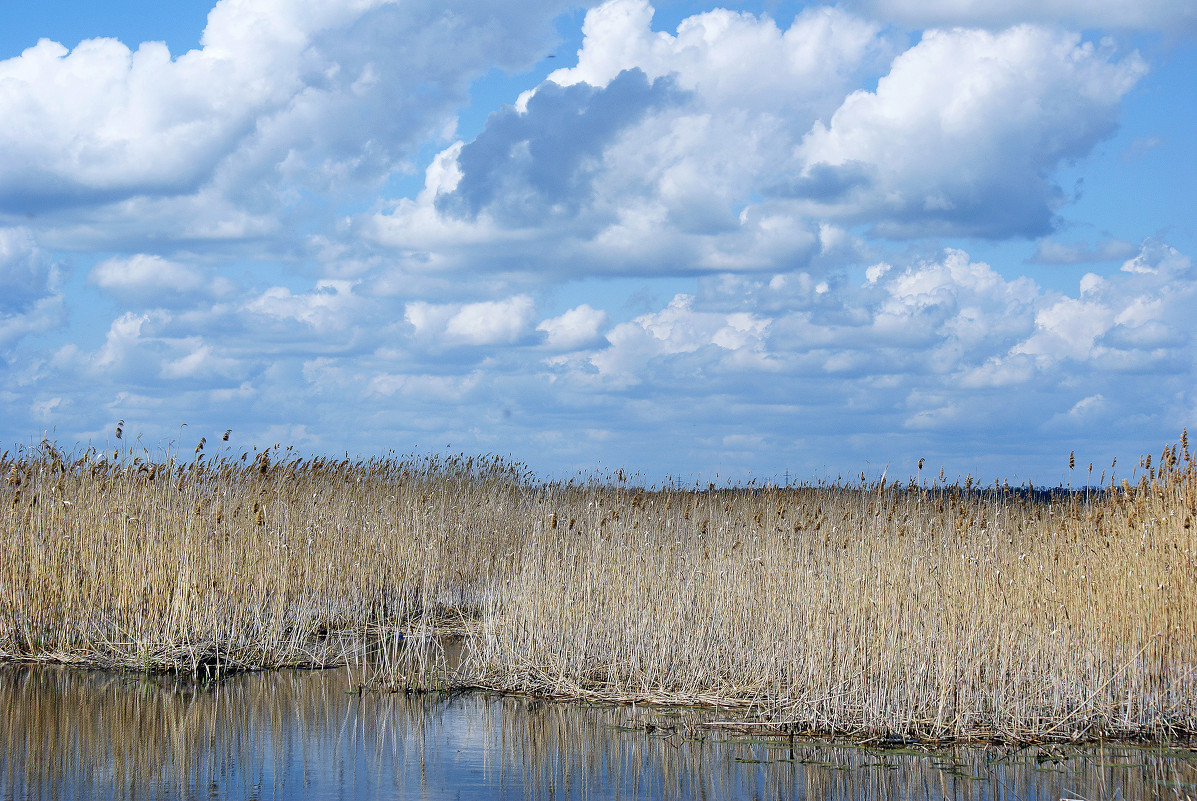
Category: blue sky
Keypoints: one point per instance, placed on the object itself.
(709, 242)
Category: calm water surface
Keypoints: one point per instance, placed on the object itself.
(298, 734)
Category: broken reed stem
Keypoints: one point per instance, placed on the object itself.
(870, 610)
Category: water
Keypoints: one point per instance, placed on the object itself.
(298, 734)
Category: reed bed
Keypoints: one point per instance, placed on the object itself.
(879, 611)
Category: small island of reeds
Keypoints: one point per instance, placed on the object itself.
(873, 610)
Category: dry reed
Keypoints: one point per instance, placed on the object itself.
(942, 612)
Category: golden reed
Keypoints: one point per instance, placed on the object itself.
(942, 612)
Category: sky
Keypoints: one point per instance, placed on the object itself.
(760, 242)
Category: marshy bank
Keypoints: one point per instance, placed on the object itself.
(879, 612)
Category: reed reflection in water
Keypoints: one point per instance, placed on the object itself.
(291, 734)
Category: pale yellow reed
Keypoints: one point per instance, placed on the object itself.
(945, 612)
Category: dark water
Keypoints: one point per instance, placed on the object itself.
(76, 734)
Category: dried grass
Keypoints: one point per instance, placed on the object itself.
(876, 611)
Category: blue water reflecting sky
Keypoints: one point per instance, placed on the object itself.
(294, 734)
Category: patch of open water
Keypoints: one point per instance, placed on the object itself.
(75, 734)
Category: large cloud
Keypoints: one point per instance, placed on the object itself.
(731, 59)
(103, 122)
(962, 135)
(689, 123)
(537, 166)
(738, 146)
(284, 97)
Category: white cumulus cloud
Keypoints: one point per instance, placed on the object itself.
(732, 342)
(283, 98)
(576, 328)
(644, 157)
(488, 322)
(331, 305)
(962, 135)
(152, 280)
(735, 145)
